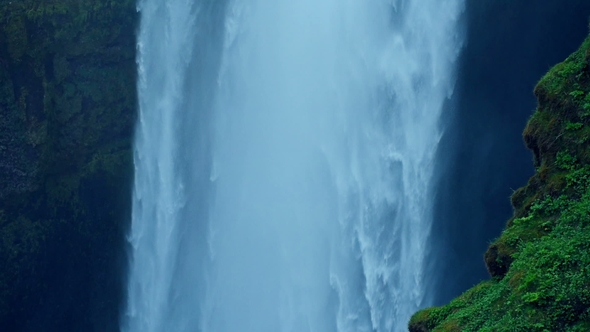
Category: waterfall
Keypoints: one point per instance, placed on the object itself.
(284, 155)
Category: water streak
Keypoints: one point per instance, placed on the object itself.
(284, 160)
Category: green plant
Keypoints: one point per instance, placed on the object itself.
(577, 94)
(571, 126)
(541, 262)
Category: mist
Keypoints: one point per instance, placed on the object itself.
(284, 167)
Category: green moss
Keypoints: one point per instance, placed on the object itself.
(561, 80)
(541, 262)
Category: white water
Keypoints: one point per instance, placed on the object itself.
(284, 157)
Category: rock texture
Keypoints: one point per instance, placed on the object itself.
(67, 111)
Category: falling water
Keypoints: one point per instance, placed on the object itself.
(284, 158)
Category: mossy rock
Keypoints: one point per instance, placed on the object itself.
(68, 99)
(541, 263)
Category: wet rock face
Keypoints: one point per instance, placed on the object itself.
(19, 157)
(18, 165)
(67, 113)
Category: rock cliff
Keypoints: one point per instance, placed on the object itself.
(540, 265)
(67, 105)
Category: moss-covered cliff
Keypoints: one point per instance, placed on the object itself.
(540, 265)
(67, 108)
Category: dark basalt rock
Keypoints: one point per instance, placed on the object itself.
(497, 262)
(67, 113)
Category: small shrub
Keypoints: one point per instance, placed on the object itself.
(572, 126)
(577, 94)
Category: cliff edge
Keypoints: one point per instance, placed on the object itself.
(540, 265)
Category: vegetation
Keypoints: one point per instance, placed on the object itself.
(540, 265)
(68, 104)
